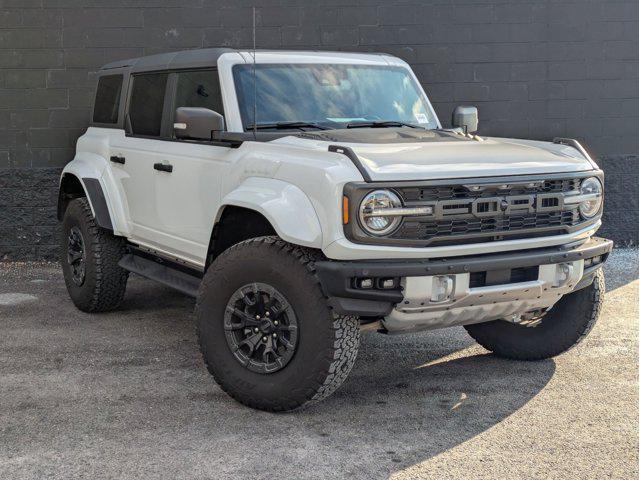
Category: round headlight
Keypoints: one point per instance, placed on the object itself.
(590, 207)
(371, 212)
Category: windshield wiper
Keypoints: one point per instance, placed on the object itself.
(380, 124)
(285, 126)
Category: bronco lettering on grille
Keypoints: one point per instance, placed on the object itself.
(498, 206)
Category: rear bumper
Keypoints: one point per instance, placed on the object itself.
(338, 278)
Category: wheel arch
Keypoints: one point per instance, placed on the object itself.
(261, 207)
(88, 175)
(236, 224)
(71, 187)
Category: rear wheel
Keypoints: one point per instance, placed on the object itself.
(265, 330)
(89, 257)
(563, 327)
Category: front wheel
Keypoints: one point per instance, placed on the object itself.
(265, 330)
(563, 327)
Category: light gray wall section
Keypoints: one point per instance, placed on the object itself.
(535, 69)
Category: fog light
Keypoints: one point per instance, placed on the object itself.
(387, 283)
(590, 262)
(365, 283)
(442, 288)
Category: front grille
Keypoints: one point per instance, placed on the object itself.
(449, 192)
(425, 230)
(452, 228)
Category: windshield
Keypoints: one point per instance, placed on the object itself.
(330, 96)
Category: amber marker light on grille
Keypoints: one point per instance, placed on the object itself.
(345, 210)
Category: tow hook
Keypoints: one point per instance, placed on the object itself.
(529, 319)
(515, 318)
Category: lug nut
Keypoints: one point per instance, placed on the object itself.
(275, 322)
(275, 335)
(264, 339)
(257, 317)
(268, 314)
(256, 329)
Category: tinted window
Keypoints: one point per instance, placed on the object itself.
(199, 89)
(330, 95)
(107, 99)
(147, 103)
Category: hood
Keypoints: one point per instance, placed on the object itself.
(440, 157)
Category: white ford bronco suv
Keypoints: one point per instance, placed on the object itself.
(304, 197)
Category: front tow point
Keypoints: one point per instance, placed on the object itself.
(563, 273)
(442, 288)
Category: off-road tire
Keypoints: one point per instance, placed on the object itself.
(563, 327)
(105, 282)
(327, 343)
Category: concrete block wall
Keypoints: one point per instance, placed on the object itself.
(536, 69)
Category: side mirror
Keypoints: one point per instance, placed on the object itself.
(197, 123)
(466, 118)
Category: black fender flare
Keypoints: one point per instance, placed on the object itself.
(92, 189)
(98, 202)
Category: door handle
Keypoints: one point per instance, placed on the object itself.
(118, 159)
(163, 167)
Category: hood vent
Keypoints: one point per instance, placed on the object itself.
(383, 135)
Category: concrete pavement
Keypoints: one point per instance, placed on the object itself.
(126, 395)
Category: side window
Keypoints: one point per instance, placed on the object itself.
(199, 89)
(147, 103)
(107, 99)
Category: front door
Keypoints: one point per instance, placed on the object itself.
(188, 197)
(171, 187)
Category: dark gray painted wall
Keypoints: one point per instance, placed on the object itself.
(536, 69)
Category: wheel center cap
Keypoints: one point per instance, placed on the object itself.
(265, 326)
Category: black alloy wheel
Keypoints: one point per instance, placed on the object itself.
(76, 256)
(261, 328)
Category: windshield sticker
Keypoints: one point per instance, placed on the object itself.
(345, 120)
(421, 118)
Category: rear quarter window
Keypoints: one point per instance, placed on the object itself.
(107, 99)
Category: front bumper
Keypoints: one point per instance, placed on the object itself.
(409, 305)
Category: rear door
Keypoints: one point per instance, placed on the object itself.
(134, 156)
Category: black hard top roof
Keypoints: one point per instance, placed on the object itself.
(198, 58)
(204, 57)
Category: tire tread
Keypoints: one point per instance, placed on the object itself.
(107, 250)
(584, 307)
(341, 354)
